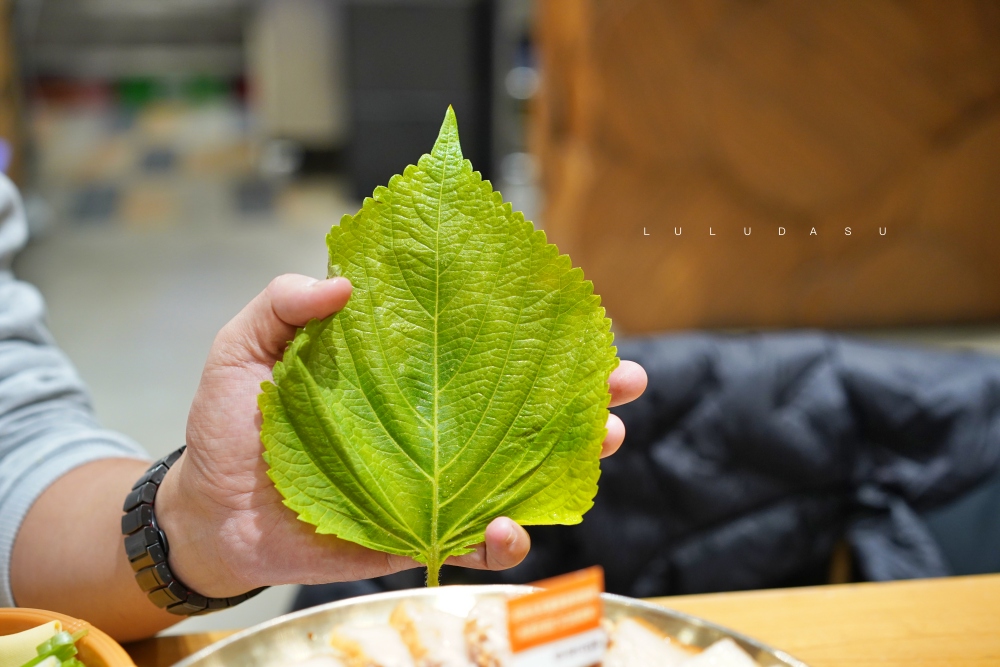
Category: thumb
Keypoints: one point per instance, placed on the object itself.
(263, 328)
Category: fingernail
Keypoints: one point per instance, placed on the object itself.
(511, 536)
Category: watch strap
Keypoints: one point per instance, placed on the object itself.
(147, 548)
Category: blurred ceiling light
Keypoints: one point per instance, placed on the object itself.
(519, 169)
(522, 82)
(280, 158)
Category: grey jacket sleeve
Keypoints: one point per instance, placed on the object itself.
(47, 425)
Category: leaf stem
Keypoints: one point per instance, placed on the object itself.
(433, 572)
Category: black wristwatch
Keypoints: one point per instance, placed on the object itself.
(147, 548)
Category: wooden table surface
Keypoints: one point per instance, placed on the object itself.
(933, 622)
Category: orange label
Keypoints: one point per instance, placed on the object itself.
(568, 605)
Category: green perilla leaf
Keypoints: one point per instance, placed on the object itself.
(466, 378)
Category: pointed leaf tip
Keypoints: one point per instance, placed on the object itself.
(448, 135)
(450, 121)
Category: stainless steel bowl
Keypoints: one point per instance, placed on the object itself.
(288, 639)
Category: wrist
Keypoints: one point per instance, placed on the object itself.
(194, 556)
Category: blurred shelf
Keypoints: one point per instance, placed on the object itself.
(114, 38)
(125, 61)
(126, 8)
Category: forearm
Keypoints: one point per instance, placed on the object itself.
(69, 554)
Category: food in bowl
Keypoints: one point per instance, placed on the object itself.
(46, 645)
(95, 648)
(418, 635)
(302, 638)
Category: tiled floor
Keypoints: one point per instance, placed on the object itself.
(149, 251)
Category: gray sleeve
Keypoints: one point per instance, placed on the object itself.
(47, 425)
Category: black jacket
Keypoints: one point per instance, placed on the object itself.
(748, 457)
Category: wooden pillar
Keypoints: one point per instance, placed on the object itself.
(702, 160)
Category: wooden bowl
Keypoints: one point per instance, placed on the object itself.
(96, 649)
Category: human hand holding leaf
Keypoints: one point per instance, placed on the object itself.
(467, 377)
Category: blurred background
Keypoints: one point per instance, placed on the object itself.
(175, 155)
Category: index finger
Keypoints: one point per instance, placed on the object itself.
(627, 382)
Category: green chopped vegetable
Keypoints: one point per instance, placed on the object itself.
(466, 379)
(62, 647)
